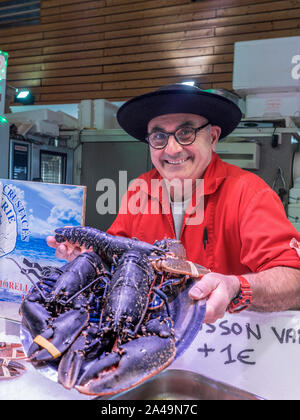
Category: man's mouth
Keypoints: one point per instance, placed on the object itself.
(176, 161)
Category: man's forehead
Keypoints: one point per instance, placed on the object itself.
(176, 119)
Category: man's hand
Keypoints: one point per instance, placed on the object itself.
(219, 290)
(65, 250)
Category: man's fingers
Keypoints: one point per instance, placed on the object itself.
(216, 307)
(219, 290)
(51, 241)
(76, 251)
(203, 287)
(61, 252)
(64, 251)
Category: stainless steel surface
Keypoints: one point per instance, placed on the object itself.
(36, 160)
(10, 328)
(176, 384)
(20, 160)
(33, 162)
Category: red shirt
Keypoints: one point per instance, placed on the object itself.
(246, 226)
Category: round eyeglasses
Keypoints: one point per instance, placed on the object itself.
(184, 136)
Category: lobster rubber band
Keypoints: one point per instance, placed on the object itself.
(41, 341)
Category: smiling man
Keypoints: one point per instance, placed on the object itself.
(181, 146)
(170, 157)
(244, 237)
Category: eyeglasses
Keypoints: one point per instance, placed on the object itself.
(184, 136)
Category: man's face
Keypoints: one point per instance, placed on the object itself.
(183, 162)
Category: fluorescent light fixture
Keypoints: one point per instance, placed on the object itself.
(189, 83)
(24, 96)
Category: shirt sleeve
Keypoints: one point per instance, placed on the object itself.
(266, 233)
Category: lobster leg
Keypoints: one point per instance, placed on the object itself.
(179, 267)
(139, 360)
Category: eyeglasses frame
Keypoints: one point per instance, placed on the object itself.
(174, 134)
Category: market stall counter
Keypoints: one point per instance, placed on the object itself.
(172, 384)
(30, 385)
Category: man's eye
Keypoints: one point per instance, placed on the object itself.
(185, 131)
(158, 136)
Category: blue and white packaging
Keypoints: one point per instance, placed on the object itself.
(29, 212)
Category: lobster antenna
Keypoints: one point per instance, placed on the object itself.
(82, 290)
(23, 271)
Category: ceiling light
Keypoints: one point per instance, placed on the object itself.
(189, 83)
(24, 97)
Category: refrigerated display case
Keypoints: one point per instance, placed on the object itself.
(33, 162)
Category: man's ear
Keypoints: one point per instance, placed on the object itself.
(215, 132)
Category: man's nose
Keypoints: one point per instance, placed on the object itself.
(173, 146)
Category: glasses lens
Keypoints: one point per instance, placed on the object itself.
(185, 135)
(158, 140)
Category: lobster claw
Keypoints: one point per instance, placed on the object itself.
(65, 329)
(138, 360)
(35, 316)
(76, 275)
(71, 362)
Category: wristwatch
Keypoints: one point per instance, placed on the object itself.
(243, 299)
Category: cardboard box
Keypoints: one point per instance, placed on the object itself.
(97, 113)
(267, 65)
(273, 105)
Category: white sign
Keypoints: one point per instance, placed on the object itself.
(255, 352)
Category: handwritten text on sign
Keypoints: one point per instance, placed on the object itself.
(256, 352)
(224, 328)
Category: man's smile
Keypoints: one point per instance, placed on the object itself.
(176, 161)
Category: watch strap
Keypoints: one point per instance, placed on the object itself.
(244, 297)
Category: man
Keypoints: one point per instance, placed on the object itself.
(243, 236)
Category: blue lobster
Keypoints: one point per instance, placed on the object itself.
(105, 318)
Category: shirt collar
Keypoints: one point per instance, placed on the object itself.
(214, 175)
